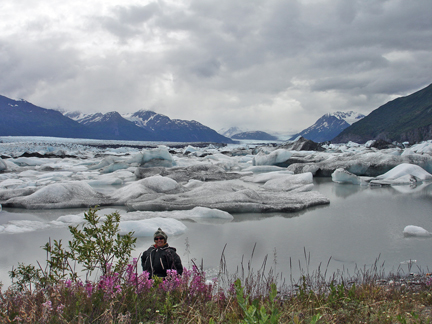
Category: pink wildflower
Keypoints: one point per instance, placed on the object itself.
(47, 305)
(89, 288)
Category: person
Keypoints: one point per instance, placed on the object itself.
(161, 257)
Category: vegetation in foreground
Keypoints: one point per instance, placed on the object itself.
(123, 294)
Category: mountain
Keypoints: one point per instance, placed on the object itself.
(231, 131)
(403, 119)
(255, 135)
(156, 126)
(329, 126)
(113, 126)
(21, 118)
(175, 130)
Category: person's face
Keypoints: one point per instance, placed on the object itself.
(159, 241)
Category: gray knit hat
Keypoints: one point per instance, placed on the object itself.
(159, 232)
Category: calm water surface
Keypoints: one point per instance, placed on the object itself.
(360, 225)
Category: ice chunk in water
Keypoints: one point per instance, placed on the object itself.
(160, 184)
(412, 230)
(343, 176)
(148, 227)
(275, 157)
(404, 169)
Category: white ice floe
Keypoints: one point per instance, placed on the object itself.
(361, 163)
(161, 184)
(233, 178)
(105, 162)
(264, 169)
(105, 181)
(144, 223)
(233, 196)
(424, 147)
(412, 230)
(29, 173)
(114, 167)
(131, 191)
(401, 174)
(405, 173)
(29, 161)
(197, 213)
(22, 226)
(264, 177)
(275, 157)
(289, 181)
(3, 165)
(60, 195)
(59, 175)
(68, 220)
(11, 183)
(148, 227)
(343, 176)
(189, 149)
(155, 157)
(10, 166)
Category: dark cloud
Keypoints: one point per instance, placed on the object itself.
(271, 64)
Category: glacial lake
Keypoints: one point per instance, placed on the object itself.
(360, 225)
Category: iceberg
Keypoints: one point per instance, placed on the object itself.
(361, 163)
(60, 195)
(265, 169)
(22, 226)
(11, 183)
(148, 227)
(3, 165)
(343, 176)
(412, 230)
(264, 177)
(401, 174)
(232, 196)
(132, 191)
(161, 184)
(289, 182)
(158, 157)
(276, 157)
(403, 170)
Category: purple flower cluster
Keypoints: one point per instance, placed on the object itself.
(191, 284)
(198, 285)
(172, 281)
(110, 285)
(141, 282)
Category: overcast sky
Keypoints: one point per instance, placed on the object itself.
(275, 65)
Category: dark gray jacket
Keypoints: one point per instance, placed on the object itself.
(157, 261)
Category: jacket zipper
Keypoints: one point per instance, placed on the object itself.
(160, 259)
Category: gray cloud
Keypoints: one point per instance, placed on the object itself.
(267, 65)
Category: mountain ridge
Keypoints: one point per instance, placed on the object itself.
(407, 118)
(21, 118)
(329, 126)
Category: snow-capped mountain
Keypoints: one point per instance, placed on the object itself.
(21, 118)
(113, 126)
(229, 132)
(404, 119)
(150, 125)
(177, 130)
(329, 126)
